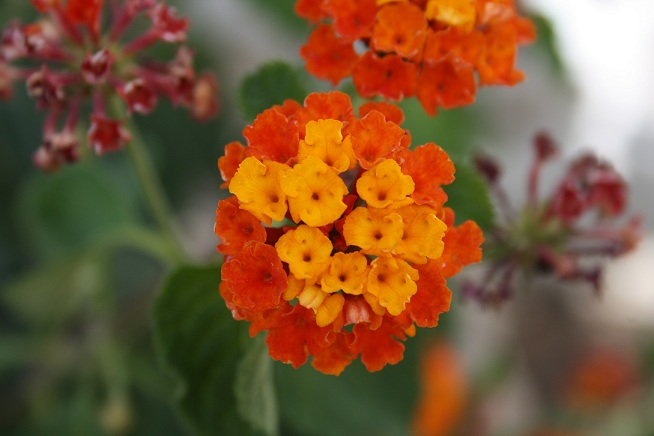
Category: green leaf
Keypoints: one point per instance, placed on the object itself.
(546, 42)
(468, 196)
(200, 343)
(72, 209)
(357, 402)
(452, 129)
(255, 390)
(269, 85)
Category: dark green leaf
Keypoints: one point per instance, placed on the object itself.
(200, 343)
(269, 85)
(468, 196)
(255, 390)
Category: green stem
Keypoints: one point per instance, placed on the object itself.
(152, 189)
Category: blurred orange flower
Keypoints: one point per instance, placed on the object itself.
(444, 399)
(431, 49)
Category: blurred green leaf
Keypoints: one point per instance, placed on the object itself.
(356, 402)
(468, 196)
(546, 41)
(71, 209)
(255, 390)
(50, 294)
(269, 85)
(200, 342)
(453, 129)
(284, 11)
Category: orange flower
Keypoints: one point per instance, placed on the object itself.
(391, 112)
(374, 138)
(447, 84)
(461, 247)
(234, 227)
(228, 164)
(272, 137)
(256, 277)
(428, 48)
(401, 28)
(350, 226)
(352, 19)
(429, 167)
(444, 393)
(390, 76)
(600, 378)
(327, 56)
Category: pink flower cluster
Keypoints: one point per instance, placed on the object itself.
(67, 58)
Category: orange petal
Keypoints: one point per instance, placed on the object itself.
(235, 227)
(448, 84)
(374, 138)
(390, 76)
(327, 56)
(272, 136)
(430, 167)
(352, 19)
(400, 28)
(462, 247)
(256, 277)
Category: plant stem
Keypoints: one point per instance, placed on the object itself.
(151, 186)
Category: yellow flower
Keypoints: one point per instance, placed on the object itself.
(384, 185)
(324, 140)
(392, 281)
(306, 250)
(347, 272)
(315, 192)
(458, 13)
(326, 306)
(423, 234)
(376, 231)
(257, 186)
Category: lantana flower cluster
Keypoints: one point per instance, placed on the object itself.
(568, 233)
(430, 49)
(69, 57)
(336, 238)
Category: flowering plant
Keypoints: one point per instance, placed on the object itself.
(367, 240)
(346, 223)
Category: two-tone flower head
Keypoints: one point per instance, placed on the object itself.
(436, 50)
(86, 51)
(336, 238)
(568, 234)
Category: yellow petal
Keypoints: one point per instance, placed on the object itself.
(330, 308)
(324, 140)
(315, 192)
(376, 231)
(423, 234)
(306, 250)
(458, 13)
(393, 282)
(257, 186)
(347, 272)
(384, 185)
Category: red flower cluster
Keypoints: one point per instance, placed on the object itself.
(336, 240)
(74, 61)
(427, 48)
(551, 236)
